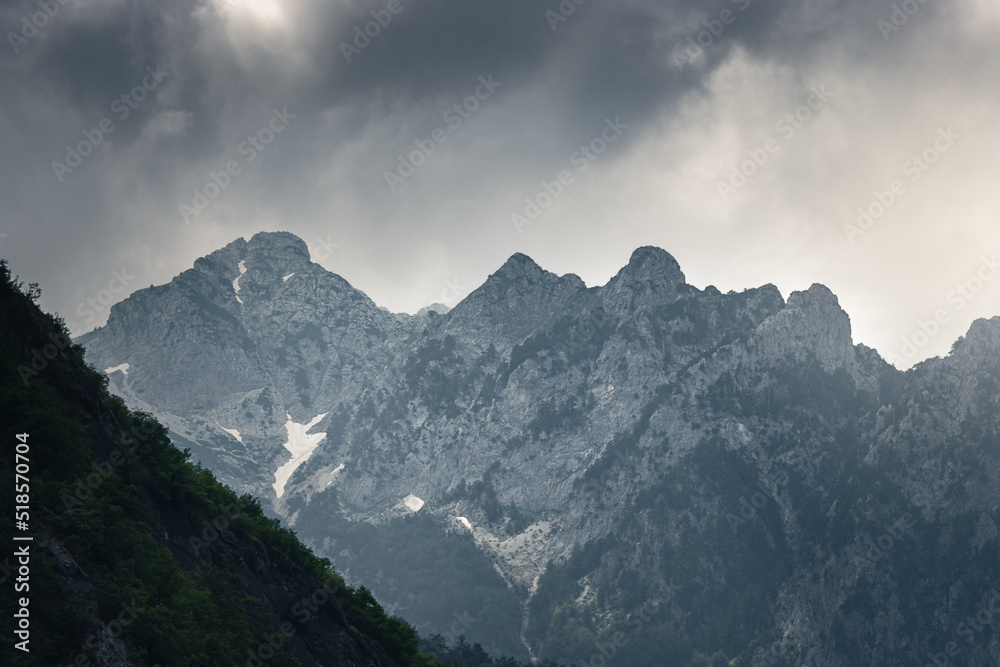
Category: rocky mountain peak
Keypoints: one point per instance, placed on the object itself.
(278, 244)
(979, 349)
(651, 262)
(812, 325)
(984, 336)
(435, 309)
(519, 266)
(817, 297)
(651, 277)
(514, 299)
(268, 257)
(822, 309)
(271, 256)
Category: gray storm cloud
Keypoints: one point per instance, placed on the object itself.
(729, 161)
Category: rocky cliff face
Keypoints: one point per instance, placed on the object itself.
(732, 461)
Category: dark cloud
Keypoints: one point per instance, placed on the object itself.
(692, 112)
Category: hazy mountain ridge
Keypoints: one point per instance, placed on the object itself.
(596, 445)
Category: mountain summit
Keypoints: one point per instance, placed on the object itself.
(512, 302)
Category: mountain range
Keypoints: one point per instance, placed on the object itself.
(638, 473)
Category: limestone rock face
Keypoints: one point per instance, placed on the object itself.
(589, 446)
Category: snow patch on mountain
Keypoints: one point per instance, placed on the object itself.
(413, 503)
(236, 281)
(301, 444)
(333, 474)
(233, 432)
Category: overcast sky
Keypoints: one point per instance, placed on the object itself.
(741, 136)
